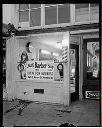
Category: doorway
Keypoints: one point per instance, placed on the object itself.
(74, 71)
(91, 70)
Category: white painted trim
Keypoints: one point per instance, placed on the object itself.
(84, 31)
(40, 81)
(89, 12)
(42, 14)
(58, 25)
(41, 34)
(72, 13)
(57, 14)
(29, 15)
(80, 68)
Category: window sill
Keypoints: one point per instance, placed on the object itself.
(40, 81)
(58, 25)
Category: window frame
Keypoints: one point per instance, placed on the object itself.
(43, 25)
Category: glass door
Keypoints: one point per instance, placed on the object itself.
(74, 71)
(91, 70)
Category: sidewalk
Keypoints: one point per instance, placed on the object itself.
(79, 113)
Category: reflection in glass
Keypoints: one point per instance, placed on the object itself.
(93, 60)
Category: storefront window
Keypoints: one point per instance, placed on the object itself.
(93, 60)
(36, 63)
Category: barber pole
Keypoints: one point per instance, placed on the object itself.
(64, 53)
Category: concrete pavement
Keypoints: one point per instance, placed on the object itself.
(79, 113)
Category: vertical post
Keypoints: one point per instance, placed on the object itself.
(80, 68)
(10, 68)
(14, 14)
(42, 15)
(72, 13)
(67, 73)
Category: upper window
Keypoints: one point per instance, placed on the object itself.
(94, 11)
(51, 15)
(30, 13)
(64, 13)
(86, 12)
(57, 13)
(81, 12)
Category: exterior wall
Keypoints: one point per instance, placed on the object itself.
(11, 67)
(53, 91)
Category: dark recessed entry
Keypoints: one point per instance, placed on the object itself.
(41, 91)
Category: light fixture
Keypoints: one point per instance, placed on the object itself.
(45, 52)
(55, 54)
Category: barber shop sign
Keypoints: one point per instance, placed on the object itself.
(40, 70)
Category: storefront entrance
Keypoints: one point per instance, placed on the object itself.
(91, 70)
(74, 71)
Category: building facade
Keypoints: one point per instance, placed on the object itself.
(54, 56)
